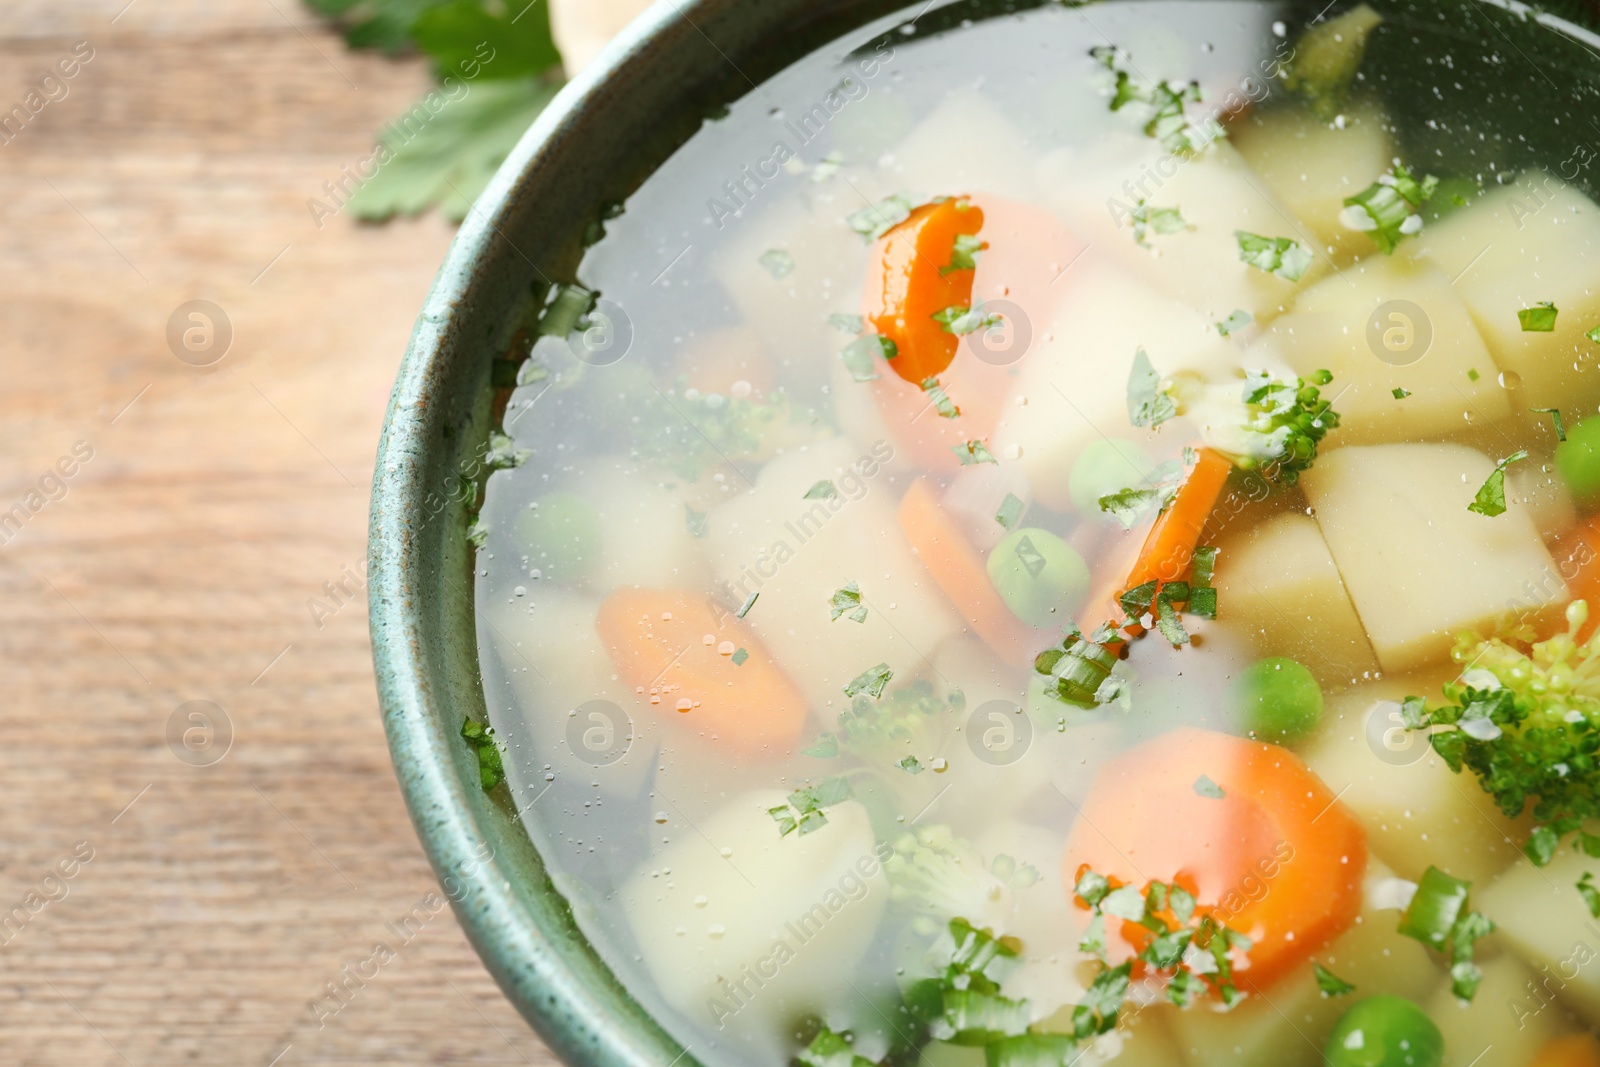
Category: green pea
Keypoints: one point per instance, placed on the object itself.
(560, 534)
(1278, 700)
(1384, 1032)
(1041, 578)
(1578, 462)
(1103, 467)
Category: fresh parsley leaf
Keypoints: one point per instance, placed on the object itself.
(1235, 322)
(871, 681)
(744, 609)
(696, 522)
(778, 263)
(848, 601)
(964, 320)
(1168, 623)
(804, 813)
(1205, 787)
(964, 255)
(491, 768)
(1387, 209)
(501, 44)
(1011, 509)
(384, 24)
(1555, 416)
(821, 490)
(1149, 404)
(1282, 256)
(1491, 498)
(826, 169)
(1594, 335)
(940, 399)
(739, 656)
(971, 453)
(1401, 394)
(503, 453)
(1164, 103)
(875, 221)
(1330, 984)
(911, 765)
(861, 356)
(1541, 318)
(1472, 374)
(1160, 220)
(1128, 506)
(826, 746)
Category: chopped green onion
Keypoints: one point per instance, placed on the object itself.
(1555, 415)
(1330, 984)
(744, 609)
(964, 255)
(1541, 318)
(875, 221)
(848, 601)
(1235, 322)
(940, 399)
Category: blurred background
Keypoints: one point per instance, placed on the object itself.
(220, 220)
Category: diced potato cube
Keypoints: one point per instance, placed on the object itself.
(1504, 1023)
(1287, 1026)
(795, 552)
(1544, 493)
(1278, 585)
(1349, 324)
(1544, 920)
(1417, 812)
(1525, 244)
(924, 165)
(1312, 166)
(1419, 566)
(1073, 385)
(1096, 191)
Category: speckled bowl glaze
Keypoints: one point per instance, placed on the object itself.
(606, 130)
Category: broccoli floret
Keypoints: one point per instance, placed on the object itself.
(909, 721)
(1524, 717)
(935, 874)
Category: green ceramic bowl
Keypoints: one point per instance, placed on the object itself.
(606, 131)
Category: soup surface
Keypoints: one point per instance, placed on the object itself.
(1063, 536)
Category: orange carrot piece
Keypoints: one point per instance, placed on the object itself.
(1276, 858)
(1572, 1050)
(658, 640)
(912, 282)
(963, 576)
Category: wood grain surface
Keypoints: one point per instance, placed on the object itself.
(182, 560)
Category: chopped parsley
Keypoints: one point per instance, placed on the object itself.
(1330, 984)
(831, 1049)
(1387, 209)
(1491, 498)
(1439, 918)
(1590, 893)
(971, 453)
(826, 746)
(1149, 402)
(695, 521)
(503, 454)
(1235, 322)
(847, 601)
(940, 399)
(568, 305)
(1555, 416)
(827, 168)
(1472, 374)
(964, 320)
(804, 811)
(1282, 256)
(907, 720)
(861, 356)
(1205, 787)
(1011, 509)
(1541, 318)
(1129, 506)
(744, 609)
(821, 490)
(964, 256)
(875, 221)
(872, 681)
(1401, 394)
(491, 768)
(777, 262)
(911, 765)
(1164, 101)
(1594, 335)
(739, 656)
(1160, 220)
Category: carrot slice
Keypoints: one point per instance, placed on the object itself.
(962, 575)
(913, 282)
(1572, 1050)
(1276, 858)
(665, 643)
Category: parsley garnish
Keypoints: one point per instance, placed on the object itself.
(1401, 394)
(740, 656)
(1165, 100)
(1011, 509)
(1161, 220)
(875, 221)
(861, 356)
(1472, 374)
(1330, 984)
(1591, 895)
(911, 765)
(1386, 210)
(872, 681)
(695, 521)
(1235, 322)
(804, 810)
(1438, 917)
(826, 746)
(828, 167)
(1491, 498)
(971, 453)
(1594, 335)
(778, 263)
(1129, 505)
(1541, 318)
(821, 490)
(964, 320)
(964, 255)
(503, 453)
(831, 1049)
(1149, 404)
(1555, 415)
(848, 601)
(1205, 787)
(744, 609)
(491, 769)
(1282, 256)
(940, 399)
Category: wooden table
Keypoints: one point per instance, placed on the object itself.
(181, 562)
